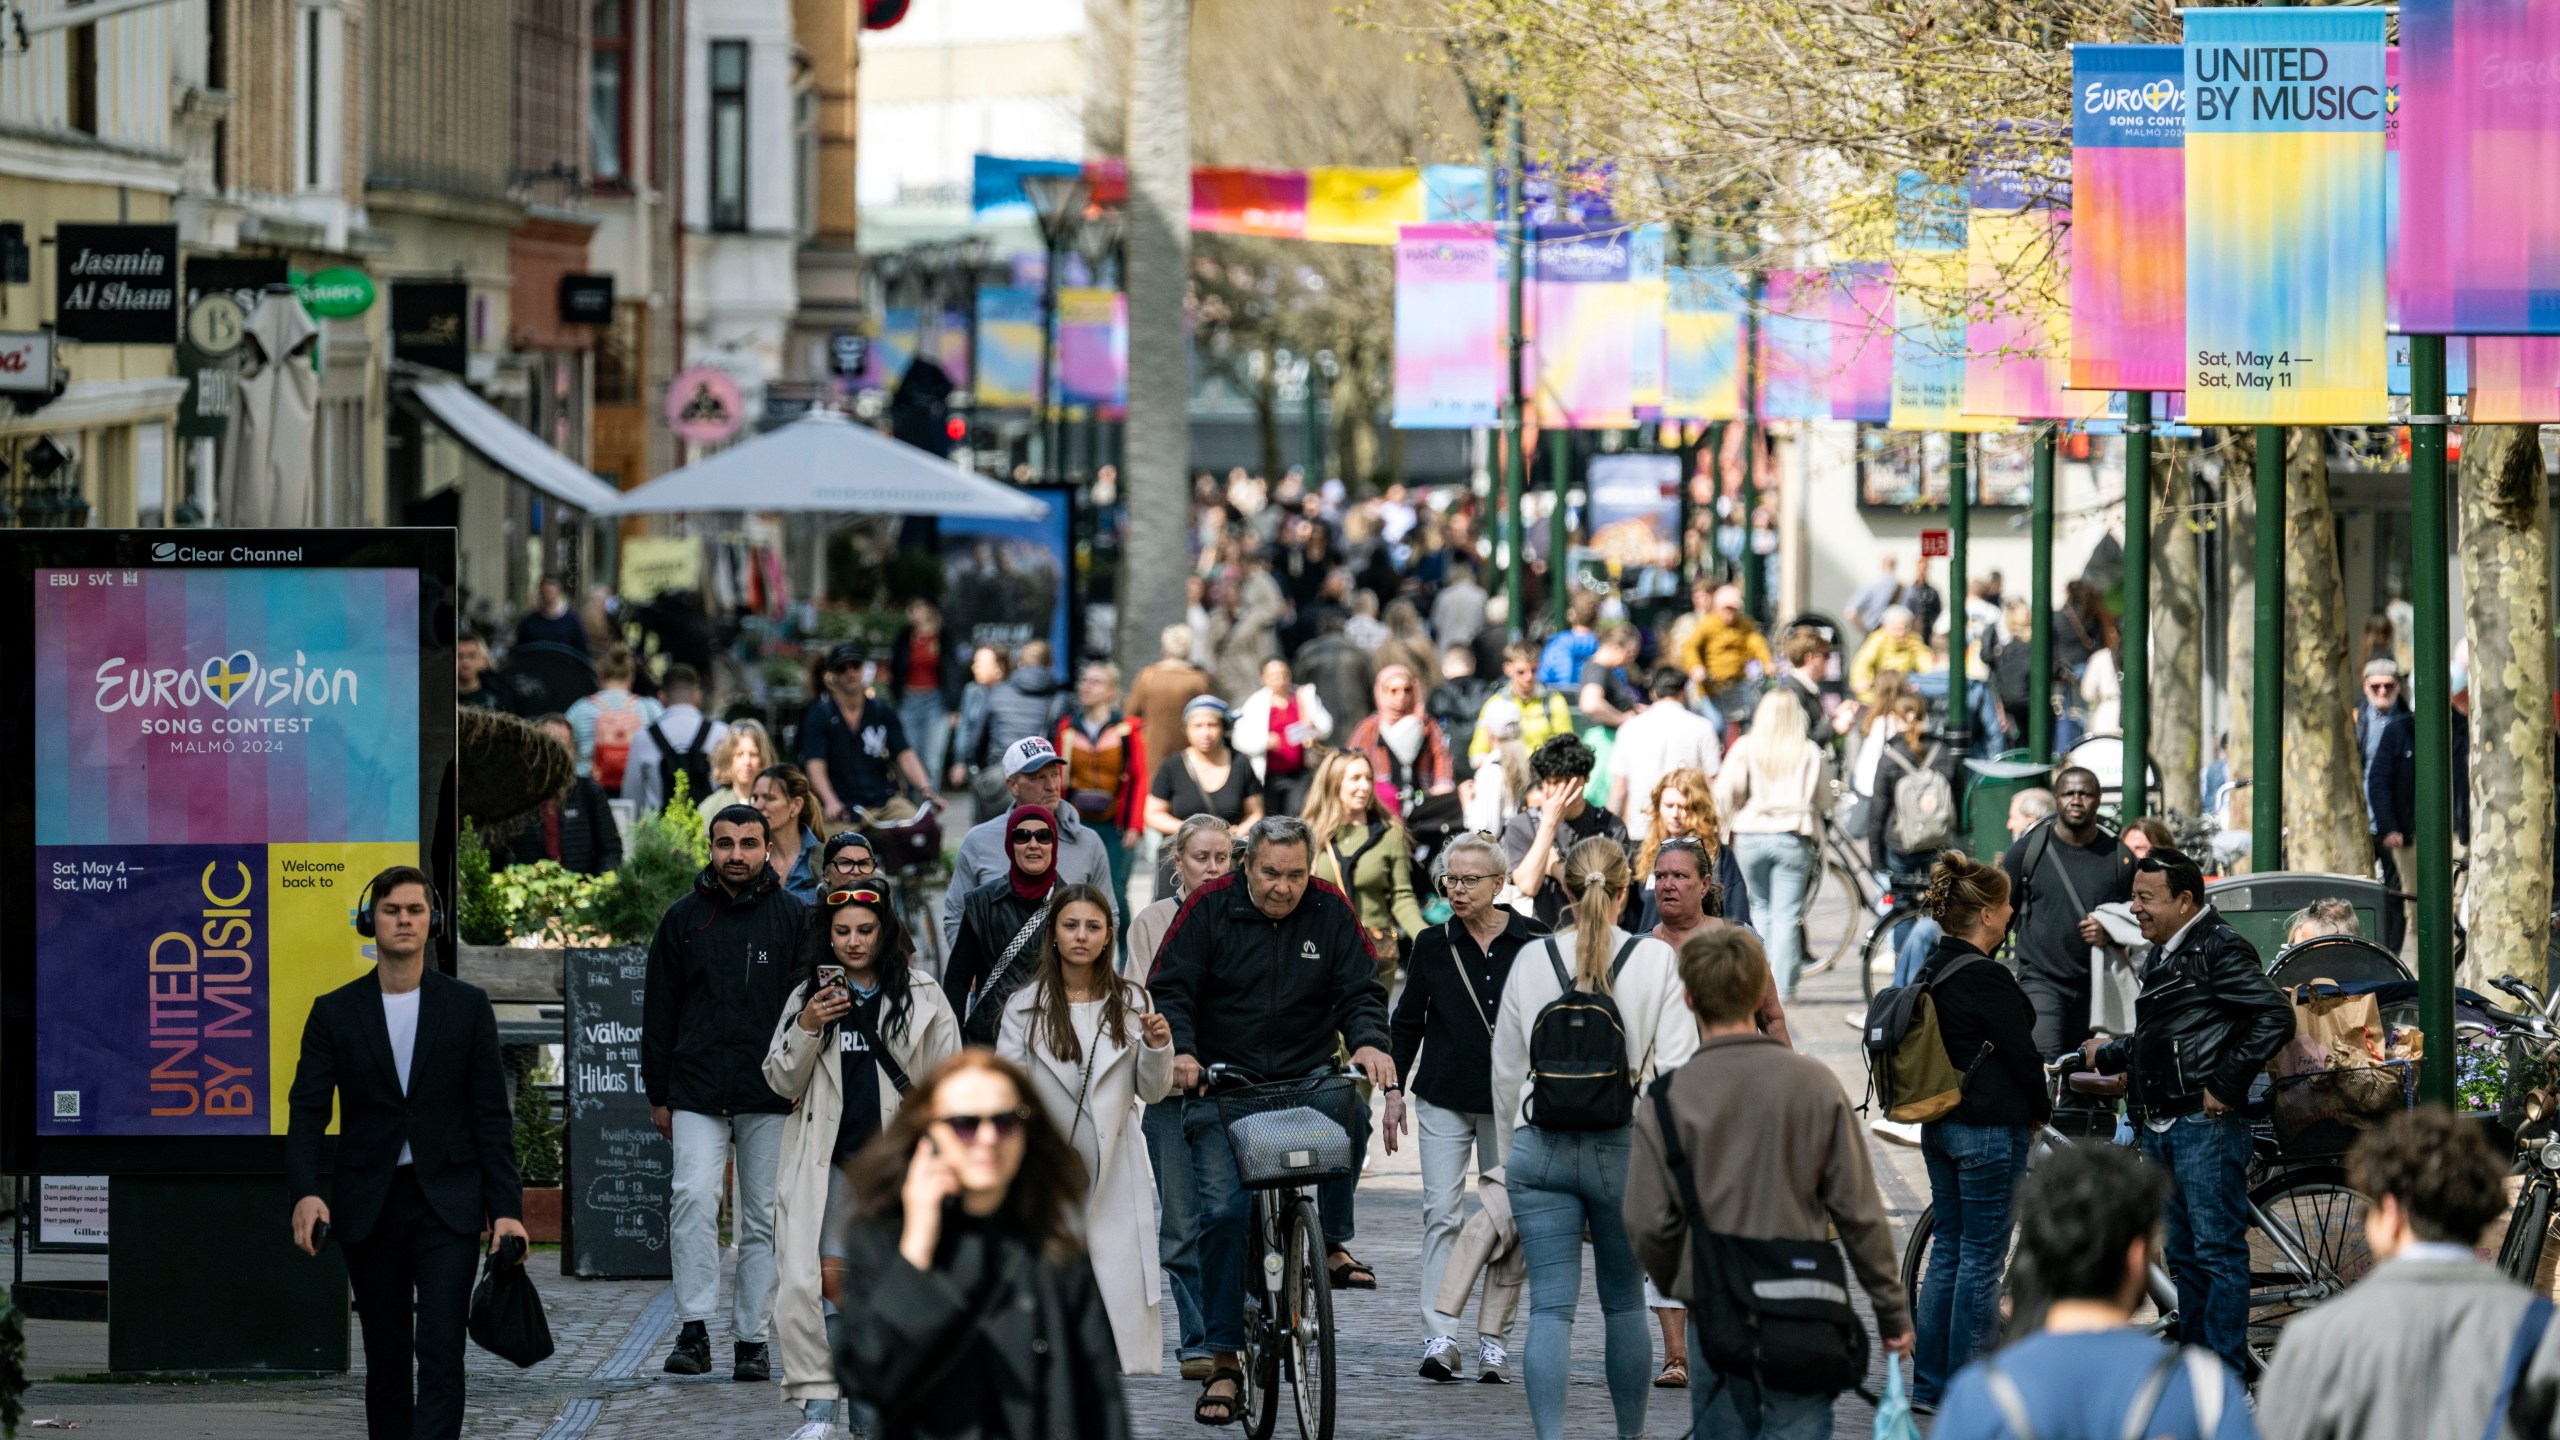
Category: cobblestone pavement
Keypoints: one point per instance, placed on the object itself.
(604, 1384)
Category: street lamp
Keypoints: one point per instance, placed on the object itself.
(1098, 241)
(1058, 201)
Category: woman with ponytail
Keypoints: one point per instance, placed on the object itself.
(1563, 1181)
(1977, 1151)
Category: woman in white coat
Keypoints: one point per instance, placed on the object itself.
(1277, 728)
(1098, 1054)
(860, 1024)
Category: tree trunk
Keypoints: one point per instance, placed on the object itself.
(2324, 817)
(1156, 476)
(2177, 634)
(2506, 552)
(2240, 632)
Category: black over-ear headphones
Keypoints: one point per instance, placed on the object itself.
(404, 875)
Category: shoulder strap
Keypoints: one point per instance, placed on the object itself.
(1931, 759)
(1004, 962)
(1564, 977)
(701, 739)
(2146, 1400)
(2006, 1399)
(1900, 755)
(1951, 967)
(888, 1063)
(2529, 1331)
(1448, 930)
(1621, 962)
(2204, 1388)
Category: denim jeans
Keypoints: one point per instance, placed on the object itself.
(1973, 1182)
(2208, 1163)
(1225, 1206)
(1560, 1182)
(1448, 1141)
(1919, 939)
(928, 728)
(1717, 1406)
(1779, 870)
(701, 1146)
(1177, 1225)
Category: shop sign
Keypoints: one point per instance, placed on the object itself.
(335, 294)
(586, 299)
(703, 405)
(427, 323)
(116, 284)
(26, 360)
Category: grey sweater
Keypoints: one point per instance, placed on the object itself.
(2415, 1351)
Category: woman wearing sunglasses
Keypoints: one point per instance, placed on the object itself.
(999, 939)
(970, 1308)
(1098, 1055)
(859, 1022)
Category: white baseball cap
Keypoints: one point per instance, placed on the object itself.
(1028, 754)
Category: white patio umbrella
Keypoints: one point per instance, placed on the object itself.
(824, 462)
(271, 418)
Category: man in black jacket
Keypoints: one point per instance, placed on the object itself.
(719, 971)
(1263, 970)
(2205, 1025)
(426, 1155)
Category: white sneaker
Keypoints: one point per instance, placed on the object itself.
(1896, 1131)
(1491, 1360)
(814, 1430)
(1855, 1019)
(1440, 1359)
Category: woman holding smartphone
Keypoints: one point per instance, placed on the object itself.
(859, 1025)
(1098, 1054)
(970, 1304)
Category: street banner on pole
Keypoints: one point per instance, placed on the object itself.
(1930, 297)
(2017, 260)
(1093, 347)
(2515, 379)
(2128, 217)
(1352, 205)
(1448, 328)
(1795, 347)
(2285, 287)
(1649, 297)
(1582, 327)
(1702, 349)
(1008, 347)
(1862, 343)
(2479, 237)
(1455, 193)
(1249, 202)
(894, 348)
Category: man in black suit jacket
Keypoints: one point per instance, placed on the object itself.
(426, 1156)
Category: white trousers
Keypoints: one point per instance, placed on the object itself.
(1448, 1140)
(702, 1144)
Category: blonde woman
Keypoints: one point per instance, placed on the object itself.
(1564, 1181)
(737, 758)
(1684, 807)
(1767, 791)
(1362, 850)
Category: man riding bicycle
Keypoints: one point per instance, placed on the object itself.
(1264, 971)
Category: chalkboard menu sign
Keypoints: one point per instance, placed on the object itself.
(619, 1170)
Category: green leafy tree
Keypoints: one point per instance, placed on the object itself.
(537, 1133)
(481, 918)
(666, 851)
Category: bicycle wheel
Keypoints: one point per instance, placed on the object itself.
(1259, 1409)
(1883, 939)
(2520, 1254)
(1915, 1255)
(2306, 1243)
(1306, 1299)
(1835, 885)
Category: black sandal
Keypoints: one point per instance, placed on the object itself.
(1348, 1273)
(1231, 1405)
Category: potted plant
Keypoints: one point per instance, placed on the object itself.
(538, 1150)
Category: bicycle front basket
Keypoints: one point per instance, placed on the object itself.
(1299, 1145)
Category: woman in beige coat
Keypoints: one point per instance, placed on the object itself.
(860, 1024)
(1098, 1053)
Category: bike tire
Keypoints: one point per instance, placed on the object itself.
(1834, 881)
(2520, 1254)
(1882, 939)
(1258, 1412)
(1915, 1254)
(2327, 1218)
(1307, 1299)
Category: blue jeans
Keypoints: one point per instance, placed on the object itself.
(1919, 939)
(1560, 1182)
(1177, 1224)
(928, 727)
(1716, 1406)
(2208, 1161)
(1973, 1182)
(1779, 870)
(1223, 1220)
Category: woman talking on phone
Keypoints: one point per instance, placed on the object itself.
(860, 1023)
(1098, 1054)
(970, 1308)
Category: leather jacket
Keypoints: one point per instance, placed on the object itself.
(2207, 1019)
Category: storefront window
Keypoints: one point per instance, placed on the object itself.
(608, 92)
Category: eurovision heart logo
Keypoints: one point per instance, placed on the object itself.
(225, 676)
(2159, 93)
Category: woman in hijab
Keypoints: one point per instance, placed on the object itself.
(999, 939)
(1407, 749)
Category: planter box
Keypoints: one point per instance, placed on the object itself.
(511, 974)
(542, 1214)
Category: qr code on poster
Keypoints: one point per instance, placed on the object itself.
(66, 1104)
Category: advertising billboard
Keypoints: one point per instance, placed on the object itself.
(229, 735)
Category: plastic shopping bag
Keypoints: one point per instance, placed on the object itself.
(1893, 1413)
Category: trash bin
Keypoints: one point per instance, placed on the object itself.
(1992, 784)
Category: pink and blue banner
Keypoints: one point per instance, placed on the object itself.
(1449, 311)
(1093, 348)
(2478, 249)
(2515, 379)
(222, 758)
(1008, 347)
(2018, 263)
(1650, 296)
(1795, 347)
(1862, 343)
(1932, 297)
(2128, 217)
(2285, 262)
(1702, 350)
(1582, 327)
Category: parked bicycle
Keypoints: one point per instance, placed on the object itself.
(1285, 1143)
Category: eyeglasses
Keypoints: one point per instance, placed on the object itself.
(1470, 881)
(856, 866)
(1034, 835)
(856, 897)
(964, 1128)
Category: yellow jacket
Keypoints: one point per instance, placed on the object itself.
(1722, 648)
(1881, 652)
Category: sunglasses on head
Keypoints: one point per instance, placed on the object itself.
(1008, 1123)
(1034, 835)
(856, 897)
(1690, 843)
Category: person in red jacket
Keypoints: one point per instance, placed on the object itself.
(1106, 770)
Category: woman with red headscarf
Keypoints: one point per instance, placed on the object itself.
(999, 940)
(1407, 749)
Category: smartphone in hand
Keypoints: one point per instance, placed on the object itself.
(832, 977)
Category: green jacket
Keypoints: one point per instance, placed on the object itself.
(1381, 881)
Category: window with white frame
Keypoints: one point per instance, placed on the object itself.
(728, 134)
(319, 96)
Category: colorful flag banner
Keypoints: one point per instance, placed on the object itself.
(2515, 379)
(1862, 343)
(1348, 205)
(2285, 287)
(2017, 264)
(2479, 243)
(1650, 295)
(1008, 347)
(1340, 204)
(1582, 327)
(1449, 305)
(1702, 345)
(1456, 194)
(1249, 202)
(1093, 348)
(893, 349)
(2128, 217)
(995, 184)
(1795, 346)
(1932, 276)
(2457, 363)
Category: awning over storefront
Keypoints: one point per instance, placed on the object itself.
(510, 447)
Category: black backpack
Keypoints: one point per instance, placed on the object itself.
(1578, 1075)
(693, 764)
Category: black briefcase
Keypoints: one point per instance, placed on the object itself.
(506, 1311)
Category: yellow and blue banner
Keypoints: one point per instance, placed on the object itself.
(2284, 147)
